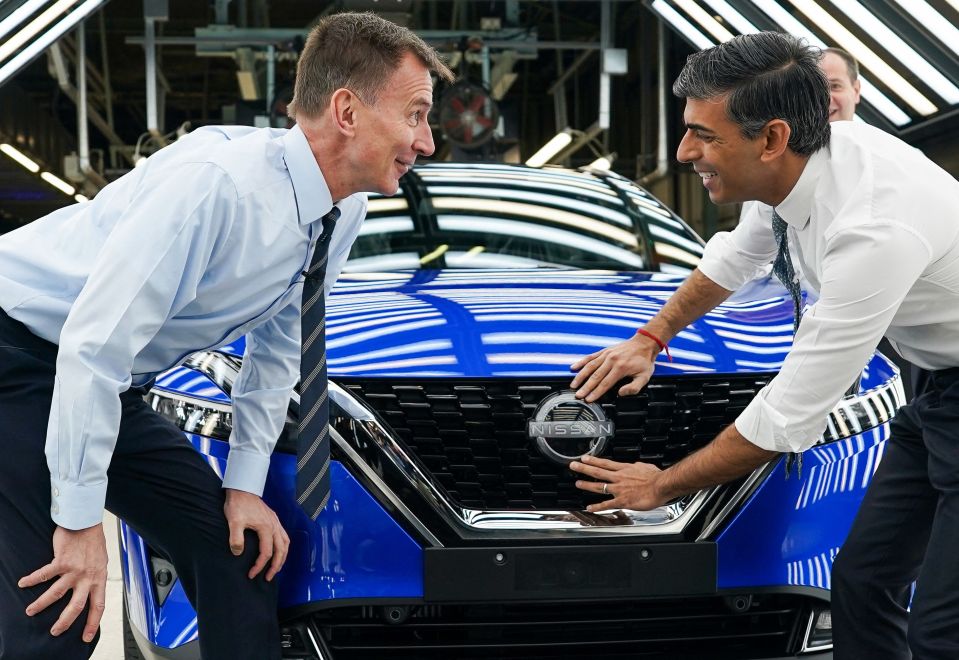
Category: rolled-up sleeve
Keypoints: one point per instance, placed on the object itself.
(867, 271)
(261, 397)
(732, 258)
(149, 268)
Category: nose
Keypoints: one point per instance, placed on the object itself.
(423, 140)
(688, 150)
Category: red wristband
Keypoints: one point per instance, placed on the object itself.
(662, 346)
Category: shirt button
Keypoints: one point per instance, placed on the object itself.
(55, 509)
(56, 492)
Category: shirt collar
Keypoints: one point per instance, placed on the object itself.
(313, 199)
(797, 206)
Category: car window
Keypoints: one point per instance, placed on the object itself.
(500, 216)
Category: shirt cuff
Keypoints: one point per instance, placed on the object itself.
(74, 506)
(246, 471)
(767, 428)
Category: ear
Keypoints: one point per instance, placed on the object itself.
(855, 87)
(343, 107)
(775, 139)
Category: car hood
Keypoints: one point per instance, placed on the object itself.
(535, 323)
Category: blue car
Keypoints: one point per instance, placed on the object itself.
(454, 529)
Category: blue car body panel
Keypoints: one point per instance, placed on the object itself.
(436, 324)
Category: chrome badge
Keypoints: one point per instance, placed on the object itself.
(564, 427)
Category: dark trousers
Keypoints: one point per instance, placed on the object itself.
(157, 483)
(907, 529)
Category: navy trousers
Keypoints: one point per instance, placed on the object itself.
(157, 483)
(907, 529)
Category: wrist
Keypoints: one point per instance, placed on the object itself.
(652, 344)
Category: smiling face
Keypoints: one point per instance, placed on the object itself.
(391, 133)
(730, 165)
(843, 92)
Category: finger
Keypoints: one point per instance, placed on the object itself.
(594, 487)
(39, 576)
(236, 538)
(56, 591)
(580, 363)
(605, 385)
(98, 603)
(598, 375)
(266, 551)
(605, 463)
(608, 505)
(585, 369)
(281, 545)
(635, 386)
(592, 471)
(70, 613)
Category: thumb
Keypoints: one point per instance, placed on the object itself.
(634, 386)
(236, 539)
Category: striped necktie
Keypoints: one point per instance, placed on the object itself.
(313, 445)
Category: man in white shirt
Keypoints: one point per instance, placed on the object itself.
(842, 74)
(209, 241)
(870, 223)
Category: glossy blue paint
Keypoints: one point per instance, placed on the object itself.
(168, 626)
(507, 323)
(790, 530)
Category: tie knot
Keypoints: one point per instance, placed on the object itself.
(779, 226)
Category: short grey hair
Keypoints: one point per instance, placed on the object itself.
(764, 76)
(358, 51)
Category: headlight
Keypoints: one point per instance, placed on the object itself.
(214, 420)
(867, 410)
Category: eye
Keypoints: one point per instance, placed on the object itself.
(415, 117)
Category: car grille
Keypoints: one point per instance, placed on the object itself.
(675, 629)
(472, 435)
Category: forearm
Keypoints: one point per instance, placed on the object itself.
(727, 457)
(697, 296)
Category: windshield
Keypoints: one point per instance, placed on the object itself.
(501, 216)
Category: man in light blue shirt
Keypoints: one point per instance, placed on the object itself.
(205, 243)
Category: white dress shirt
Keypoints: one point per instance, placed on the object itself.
(873, 227)
(202, 244)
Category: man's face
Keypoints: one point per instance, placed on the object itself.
(728, 163)
(394, 131)
(843, 92)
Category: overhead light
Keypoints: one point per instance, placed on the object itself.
(866, 56)
(40, 44)
(81, 198)
(19, 157)
(30, 30)
(732, 16)
(877, 99)
(17, 17)
(684, 27)
(902, 51)
(58, 183)
(601, 163)
(558, 142)
(701, 16)
(932, 20)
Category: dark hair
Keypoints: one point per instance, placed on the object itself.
(358, 51)
(764, 76)
(852, 66)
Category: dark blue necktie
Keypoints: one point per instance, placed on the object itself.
(784, 271)
(313, 445)
(783, 268)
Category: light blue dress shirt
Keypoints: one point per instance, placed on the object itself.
(202, 244)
